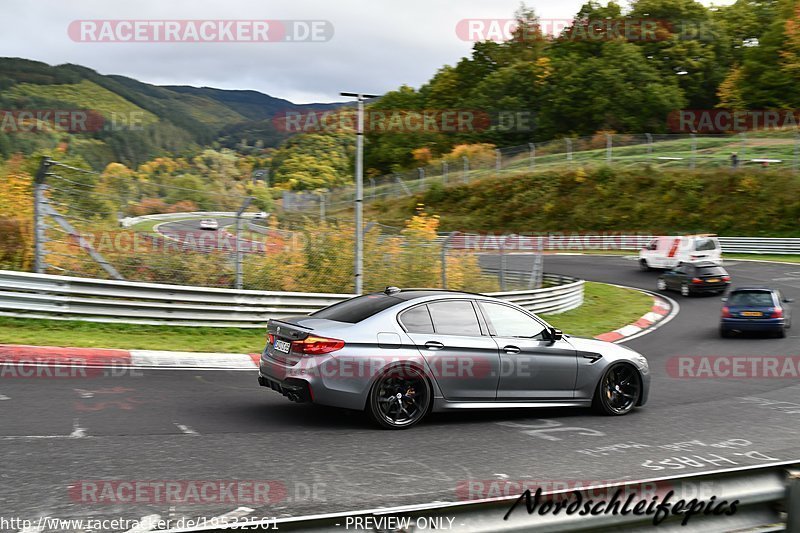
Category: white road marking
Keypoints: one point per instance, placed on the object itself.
(147, 523)
(4, 397)
(191, 360)
(236, 513)
(186, 430)
(77, 431)
(501, 476)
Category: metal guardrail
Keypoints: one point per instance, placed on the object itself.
(768, 499)
(23, 294)
(584, 242)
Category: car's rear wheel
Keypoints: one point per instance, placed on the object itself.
(618, 391)
(400, 398)
(685, 290)
(781, 333)
(724, 333)
(661, 284)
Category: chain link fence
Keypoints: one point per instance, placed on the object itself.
(689, 151)
(81, 231)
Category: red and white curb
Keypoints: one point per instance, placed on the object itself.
(103, 358)
(663, 310)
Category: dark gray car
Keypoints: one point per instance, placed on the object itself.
(400, 354)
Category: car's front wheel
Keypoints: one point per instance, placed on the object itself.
(618, 391)
(643, 266)
(661, 284)
(400, 398)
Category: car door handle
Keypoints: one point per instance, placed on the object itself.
(434, 345)
(511, 349)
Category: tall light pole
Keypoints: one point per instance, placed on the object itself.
(359, 249)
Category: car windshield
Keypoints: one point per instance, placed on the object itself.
(751, 298)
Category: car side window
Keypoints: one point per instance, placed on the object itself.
(455, 317)
(417, 320)
(509, 322)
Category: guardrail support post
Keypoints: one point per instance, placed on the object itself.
(649, 143)
(444, 172)
(245, 204)
(532, 160)
(39, 199)
(465, 175)
(502, 265)
(445, 245)
(796, 160)
(498, 163)
(609, 145)
(569, 148)
(793, 502)
(694, 151)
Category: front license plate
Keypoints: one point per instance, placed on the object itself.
(713, 280)
(282, 346)
(752, 313)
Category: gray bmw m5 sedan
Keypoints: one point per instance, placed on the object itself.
(399, 354)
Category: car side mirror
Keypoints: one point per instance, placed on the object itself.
(724, 299)
(788, 300)
(556, 334)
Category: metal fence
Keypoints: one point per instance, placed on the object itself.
(767, 499)
(689, 151)
(29, 295)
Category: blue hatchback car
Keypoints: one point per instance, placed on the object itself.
(757, 309)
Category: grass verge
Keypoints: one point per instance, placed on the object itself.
(128, 336)
(605, 308)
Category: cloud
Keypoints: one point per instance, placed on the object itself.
(377, 46)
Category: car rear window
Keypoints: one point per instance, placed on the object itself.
(705, 244)
(357, 309)
(751, 298)
(711, 271)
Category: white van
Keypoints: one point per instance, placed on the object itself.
(669, 252)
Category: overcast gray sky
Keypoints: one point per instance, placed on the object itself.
(378, 44)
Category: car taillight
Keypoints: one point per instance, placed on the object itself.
(777, 313)
(726, 278)
(271, 338)
(317, 345)
(697, 280)
(726, 313)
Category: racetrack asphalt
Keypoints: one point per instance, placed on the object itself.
(220, 425)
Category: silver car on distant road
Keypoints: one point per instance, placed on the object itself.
(400, 354)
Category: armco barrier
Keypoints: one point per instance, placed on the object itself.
(23, 294)
(767, 499)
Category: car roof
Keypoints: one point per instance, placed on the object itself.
(763, 289)
(413, 294)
